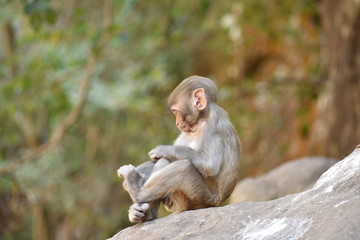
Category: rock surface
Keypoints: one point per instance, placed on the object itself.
(291, 177)
(330, 210)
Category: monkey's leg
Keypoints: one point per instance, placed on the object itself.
(134, 178)
(145, 211)
(149, 210)
(178, 176)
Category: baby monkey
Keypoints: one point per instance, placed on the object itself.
(200, 169)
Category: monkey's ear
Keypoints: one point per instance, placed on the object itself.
(199, 99)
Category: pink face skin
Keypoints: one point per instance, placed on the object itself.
(183, 123)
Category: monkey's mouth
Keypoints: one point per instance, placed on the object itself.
(187, 128)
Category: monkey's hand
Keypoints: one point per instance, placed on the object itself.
(162, 151)
(138, 212)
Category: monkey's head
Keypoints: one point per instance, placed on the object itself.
(190, 101)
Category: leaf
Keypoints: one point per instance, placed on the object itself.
(40, 12)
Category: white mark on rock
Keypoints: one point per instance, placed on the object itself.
(345, 201)
(271, 228)
(278, 228)
(299, 195)
(328, 189)
(341, 203)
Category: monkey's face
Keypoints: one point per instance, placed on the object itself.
(185, 120)
(187, 109)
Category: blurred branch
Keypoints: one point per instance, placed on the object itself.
(9, 44)
(9, 39)
(28, 128)
(59, 132)
(75, 112)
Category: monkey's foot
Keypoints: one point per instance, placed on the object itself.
(125, 170)
(132, 180)
(138, 212)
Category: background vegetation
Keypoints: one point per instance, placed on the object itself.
(83, 88)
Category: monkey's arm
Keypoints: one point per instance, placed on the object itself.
(173, 153)
(207, 161)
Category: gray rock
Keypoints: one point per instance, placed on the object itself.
(291, 177)
(330, 210)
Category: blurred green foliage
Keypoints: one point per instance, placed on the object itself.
(257, 51)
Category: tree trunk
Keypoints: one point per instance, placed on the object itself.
(39, 228)
(337, 130)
